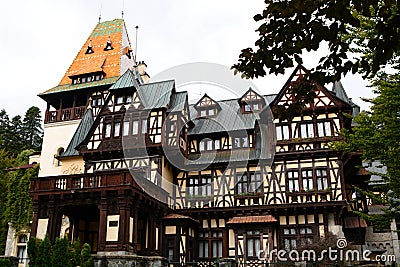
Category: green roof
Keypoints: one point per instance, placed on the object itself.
(83, 129)
(178, 101)
(70, 87)
(156, 95)
(127, 80)
(228, 118)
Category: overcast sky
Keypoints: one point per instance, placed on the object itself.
(39, 39)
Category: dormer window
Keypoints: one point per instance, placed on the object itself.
(206, 107)
(89, 49)
(108, 45)
(251, 102)
(123, 99)
(87, 78)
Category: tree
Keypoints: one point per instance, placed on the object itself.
(377, 135)
(86, 258)
(290, 27)
(6, 161)
(75, 252)
(13, 138)
(61, 257)
(44, 253)
(32, 128)
(33, 250)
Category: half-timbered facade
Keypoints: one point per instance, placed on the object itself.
(136, 169)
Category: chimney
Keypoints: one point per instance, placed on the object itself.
(141, 68)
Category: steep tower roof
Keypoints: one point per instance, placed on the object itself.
(106, 51)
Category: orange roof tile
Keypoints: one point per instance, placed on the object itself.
(112, 62)
(252, 219)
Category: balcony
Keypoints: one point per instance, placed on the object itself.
(67, 184)
(65, 114)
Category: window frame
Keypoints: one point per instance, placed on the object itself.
(303, 179)
(199, 186)
(255, 237)
(246, 183)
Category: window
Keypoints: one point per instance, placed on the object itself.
(256, 106)
(207, 112)
(307, 179)
(117, 129)
(289, 239)
(322, 179)
(306, 235)
(241, 184)
(282, 132)
(199, 186)
(97, 101)
(120, 100)
(324, 128)
(201, 146)
(60, 151)
(245, 142)
(203, 245)
(107, 130)
(253, 244)
(170, 244)
(210, 145)
(144, 126)
(216, 244)
(248, 183)
(251, 106)
(255, 182)
(307, 130)
(135, 127)
(21, 248)
(210, 244)
(239, 142)
(172, 126)
(236, 142)
(293, 181)
(217, 144)
(125, 130)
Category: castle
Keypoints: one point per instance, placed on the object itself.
(133, 168)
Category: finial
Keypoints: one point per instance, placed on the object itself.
(137, 28)
(123, 7)
(101, 7)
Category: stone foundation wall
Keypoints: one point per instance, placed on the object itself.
(116, 260)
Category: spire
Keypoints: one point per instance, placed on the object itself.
(96, 65)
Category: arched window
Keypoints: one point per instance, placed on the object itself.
(59, 152)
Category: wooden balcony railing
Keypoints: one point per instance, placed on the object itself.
(66, 114)
(86, 182)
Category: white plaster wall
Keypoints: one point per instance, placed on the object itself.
(12, 242)
(333, 228)
(56, 135)
(42, 228)
(112, 232)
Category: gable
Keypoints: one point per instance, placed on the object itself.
(323, 98)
